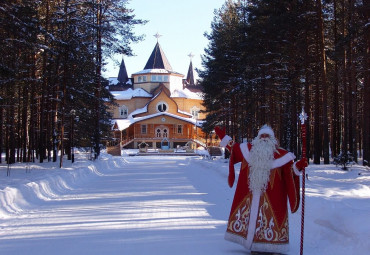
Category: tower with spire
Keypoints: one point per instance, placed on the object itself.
(122, 82)
(122, 74)
(190, 76)
(157, 70)
(190, 83)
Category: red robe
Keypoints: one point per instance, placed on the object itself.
(259, 220)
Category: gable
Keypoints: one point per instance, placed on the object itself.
(162, 99)
(164, 118)
(162, 102)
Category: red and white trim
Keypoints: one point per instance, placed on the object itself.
(225, 141)
(253, 219)
(296, 170)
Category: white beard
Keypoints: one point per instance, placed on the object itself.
(260, 163)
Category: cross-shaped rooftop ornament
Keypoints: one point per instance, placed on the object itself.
(303, 116)
(191, 55)
(157, 35)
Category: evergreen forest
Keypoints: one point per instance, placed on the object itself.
(267, 59)
(52, 93)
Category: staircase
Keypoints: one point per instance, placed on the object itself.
(114, 150)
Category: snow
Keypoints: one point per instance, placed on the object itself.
(156, 71)
(139, 92)
(130, 93)
(113, 80)
(163, 205)
(125, 123)
(186, 93)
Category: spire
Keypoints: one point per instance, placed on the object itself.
(157, 59)
(190, 76)
(122, 74)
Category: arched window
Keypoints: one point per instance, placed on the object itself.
(123, 111)
(162, 131)
(162, 107)
(165, 132)
(158, 132)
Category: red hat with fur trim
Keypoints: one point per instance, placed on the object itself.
(266, 130)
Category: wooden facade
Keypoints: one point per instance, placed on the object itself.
(159, 107)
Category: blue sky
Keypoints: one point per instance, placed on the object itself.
(181, 24)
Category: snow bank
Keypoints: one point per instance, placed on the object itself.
(33, 184)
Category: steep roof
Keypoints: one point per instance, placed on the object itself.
(190, 76)
(158, 60)
(122, 74)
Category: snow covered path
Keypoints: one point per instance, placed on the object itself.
(164, 205)
(130, 207)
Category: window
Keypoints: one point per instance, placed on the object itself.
(123, 111)
(165, 132)
(195, 112)
(162, 132)
(143, 129)
(159, 78)
(142, 78)
(158, 132)
(162, 107)
(179, 129)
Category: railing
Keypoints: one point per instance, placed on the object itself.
(152, 139)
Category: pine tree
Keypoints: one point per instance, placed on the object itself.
(292, 53)
(366, 96)
(51, 70)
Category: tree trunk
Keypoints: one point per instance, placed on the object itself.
(335, 114)
(98, 79)
(325, 126)
(317, 135)
(366, 120)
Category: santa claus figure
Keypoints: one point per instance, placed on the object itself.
(268, 178)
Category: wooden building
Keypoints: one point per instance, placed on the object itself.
(158, 108)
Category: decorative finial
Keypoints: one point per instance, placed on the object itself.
(191, 55)
(303, 116)
(157, 35)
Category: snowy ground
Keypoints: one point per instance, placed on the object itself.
(163, 205)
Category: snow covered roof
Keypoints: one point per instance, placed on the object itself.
(156, 70)
(139, 92)
(138, 111)
(187, 94)
(130, 93)
(125, 123)
(113, 80)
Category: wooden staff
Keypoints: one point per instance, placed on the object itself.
(303, 117)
